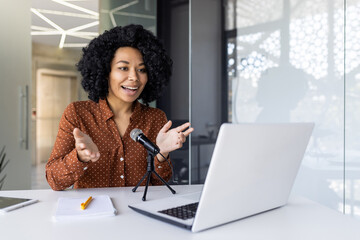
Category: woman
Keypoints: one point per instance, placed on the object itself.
(93, 147)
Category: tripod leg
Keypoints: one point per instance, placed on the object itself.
(142, 179)
(147, 185)
(172, 190)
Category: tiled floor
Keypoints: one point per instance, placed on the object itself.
(38, 180)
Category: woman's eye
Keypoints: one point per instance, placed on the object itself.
(123, 68)
(142, 70)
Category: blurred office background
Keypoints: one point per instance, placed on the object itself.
(234, 61)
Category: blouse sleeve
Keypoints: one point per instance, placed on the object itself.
(64, 168)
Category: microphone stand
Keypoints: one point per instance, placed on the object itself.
(150, 170)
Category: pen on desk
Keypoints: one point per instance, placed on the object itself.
(85, 204)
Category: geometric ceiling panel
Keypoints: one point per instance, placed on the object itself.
(74, 23)
(64, 23)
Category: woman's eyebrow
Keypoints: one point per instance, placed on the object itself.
(126, 62)
(122, 61)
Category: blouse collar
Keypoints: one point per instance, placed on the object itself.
(107, 113)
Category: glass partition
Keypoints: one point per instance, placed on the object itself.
(205, 84)
(351, 164)
(122, 12)
(262, 61)
(295, 61)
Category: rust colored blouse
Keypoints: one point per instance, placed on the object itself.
(122, 161)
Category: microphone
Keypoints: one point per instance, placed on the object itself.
(138, 136)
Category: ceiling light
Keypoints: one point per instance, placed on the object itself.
(46, 19)
(76, 7)
(45, 33)
(124, 6)
(62, 40)
(135, 15)
(76, 31)
(40, 28)
(76, 45)
(68, 14)
(83, 26)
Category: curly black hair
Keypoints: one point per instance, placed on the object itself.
(95, 64)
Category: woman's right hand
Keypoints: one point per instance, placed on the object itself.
(86, 148)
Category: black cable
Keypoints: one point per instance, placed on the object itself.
(171, 167)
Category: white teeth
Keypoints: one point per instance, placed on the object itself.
(131, 88)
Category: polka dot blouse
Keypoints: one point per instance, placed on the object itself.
(122, 161)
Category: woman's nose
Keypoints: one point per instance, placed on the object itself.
(132, 75)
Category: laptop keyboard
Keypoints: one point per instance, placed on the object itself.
(183, 212)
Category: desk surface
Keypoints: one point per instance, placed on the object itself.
(300, 219)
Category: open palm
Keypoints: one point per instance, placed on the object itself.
(169, 140)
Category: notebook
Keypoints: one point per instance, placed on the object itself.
(69, 208)
(252, 170)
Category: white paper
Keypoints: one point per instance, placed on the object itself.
(69, 208)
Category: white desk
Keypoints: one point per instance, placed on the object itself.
(300, 219)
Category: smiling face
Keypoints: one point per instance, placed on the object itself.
(128, 76)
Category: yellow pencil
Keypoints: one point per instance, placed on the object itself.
(85, 204)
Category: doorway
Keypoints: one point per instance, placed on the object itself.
(54, 91)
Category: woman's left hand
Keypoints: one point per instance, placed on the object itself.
(169, 140)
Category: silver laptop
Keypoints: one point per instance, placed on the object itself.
(252, 170)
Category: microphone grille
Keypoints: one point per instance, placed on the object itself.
(135, 133)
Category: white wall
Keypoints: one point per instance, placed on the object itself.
(15, 73)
